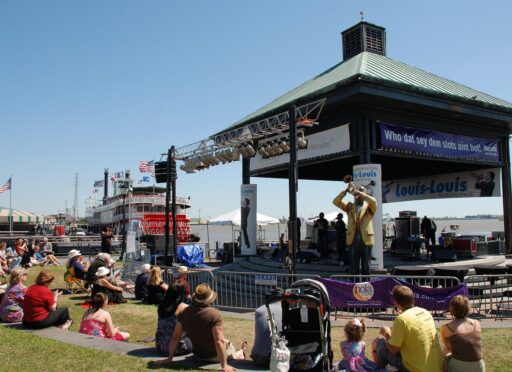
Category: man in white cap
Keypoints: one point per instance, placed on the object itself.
(75, 260)
(203, 325)
(102, 260)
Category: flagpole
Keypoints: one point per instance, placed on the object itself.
(10, 208)
(154, 178)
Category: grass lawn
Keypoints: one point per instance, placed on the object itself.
(140, 320)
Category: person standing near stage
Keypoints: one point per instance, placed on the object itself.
(106, 240)
(428, 230)
(360, 227)
(341, 236)
(322, 226)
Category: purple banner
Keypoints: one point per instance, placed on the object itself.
(440, 144)
(377, 294)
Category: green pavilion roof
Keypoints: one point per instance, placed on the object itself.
(372, 67)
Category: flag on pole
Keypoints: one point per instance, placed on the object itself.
(147, 166)
(6, 186)
(99, 183)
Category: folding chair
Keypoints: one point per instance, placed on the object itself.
(73, 284)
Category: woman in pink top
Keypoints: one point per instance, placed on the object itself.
(98, 322)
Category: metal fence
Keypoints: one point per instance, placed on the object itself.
(247, 291)
(490, 295)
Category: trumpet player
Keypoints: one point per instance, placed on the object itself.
(360, 238)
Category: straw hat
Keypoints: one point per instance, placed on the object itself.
(203, 295)
(73, 253)
(182, 270)
(102, 271)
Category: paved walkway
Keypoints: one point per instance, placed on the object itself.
(149, 352)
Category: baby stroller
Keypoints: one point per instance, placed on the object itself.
(306, 324)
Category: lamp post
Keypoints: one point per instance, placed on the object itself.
(124, 190)
(199, 219)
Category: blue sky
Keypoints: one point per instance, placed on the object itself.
(88, 85)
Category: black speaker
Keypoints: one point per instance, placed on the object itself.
(161, 171)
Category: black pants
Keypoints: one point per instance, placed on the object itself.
(56, 318)
(322, 245)
(246, 237)
(360, 255)
(341, 245)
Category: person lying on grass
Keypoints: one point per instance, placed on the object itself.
(97, 321)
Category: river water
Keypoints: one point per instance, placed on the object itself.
(270, 233)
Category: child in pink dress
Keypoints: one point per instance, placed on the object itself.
(353, 349)
(98, 322)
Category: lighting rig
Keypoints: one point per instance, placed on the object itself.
(267, 137)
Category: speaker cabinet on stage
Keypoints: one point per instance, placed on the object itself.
(443, 254)
(406, 227)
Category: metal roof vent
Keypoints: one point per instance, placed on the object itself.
(363, 37)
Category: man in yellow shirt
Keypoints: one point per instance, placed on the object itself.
(413, 344)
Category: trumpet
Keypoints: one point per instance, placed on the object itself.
(350, 186)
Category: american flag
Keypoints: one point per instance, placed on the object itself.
(146, 166)
(6, 186)
(99, 183)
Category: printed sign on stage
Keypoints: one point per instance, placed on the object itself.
(328, 142)
(377, 294)
(370, 176)
(439, 144)
(485, 182)
(248, 209)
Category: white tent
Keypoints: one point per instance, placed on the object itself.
(234, 218)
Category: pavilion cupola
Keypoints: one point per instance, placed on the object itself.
(363, 37)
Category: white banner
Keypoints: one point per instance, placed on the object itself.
(328, 142)
(454, 185)
(248, 209)
(370, 176)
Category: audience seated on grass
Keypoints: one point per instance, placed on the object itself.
(101, 260)
(182, 278)
(203, 324)
(75, 264)
(262, 346)
(462, 339)
(172, 305)
(4, 260)
(103, 285)
(12, 258)
(97, 321)
(10, 307)
(156, 286)
(141, 283)
(40, 305)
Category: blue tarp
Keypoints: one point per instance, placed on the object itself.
(191, 255)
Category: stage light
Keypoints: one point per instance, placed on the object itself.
(305, 122)
(302, 142)
(276, 148)
(248, 151)
(284, 145)
(236, 153)
(262, 151)
(268, 149)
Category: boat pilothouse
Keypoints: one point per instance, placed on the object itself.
(145, 204)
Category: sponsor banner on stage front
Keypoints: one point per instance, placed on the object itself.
(439, 144)
(484, 182)
(377, 294)
(370, 176)
(248, 209)
(328, 142)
